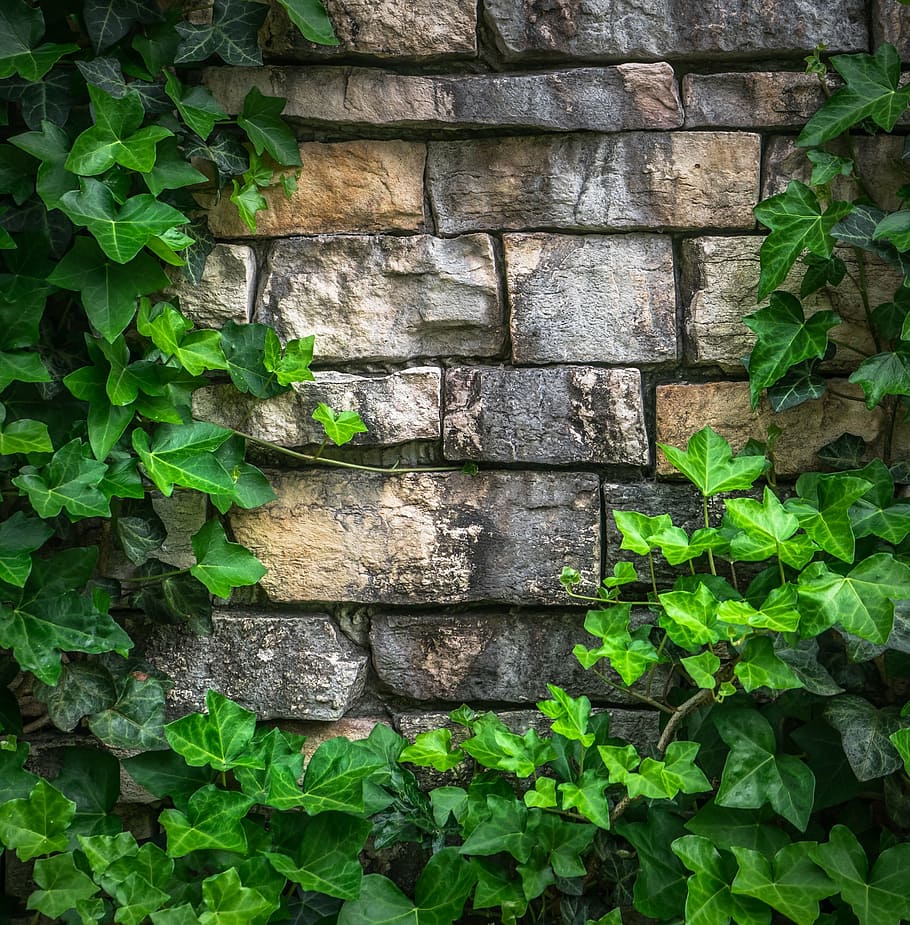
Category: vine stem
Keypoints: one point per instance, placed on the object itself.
(632, 693)
(36, 724)
(711, 565)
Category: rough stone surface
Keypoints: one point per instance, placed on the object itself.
(686, 408)
(382, 29)
(483, 657)
(612, 99)
(183, 514)
(225, 292)
(563, 414)
(878, 158)
(578, 298)
(763, 99)
(720, 281)
(349, 186)
(385, 298)
(590, 182)
(297, 666)
(612, 29)
(891, 23)
(423, 537)
(395, 408)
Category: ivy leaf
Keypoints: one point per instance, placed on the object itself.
(785, 338)
(702, 668)
(228, 902)
(222, 565)
(25, 437)
(797, 224)
(166, 774)
(249, 200)
(779, 611)
(587, 795)
(22, 28)
(760, 666)
(36, 825)
(211, 822)
(310, 17)
(865, 734)
(108, 21)
(233, 35)
(708, 463)
(91, 778)
(182, 454)
(872, 91)
(196, 105)
(570, 715)
(171, 171)
(61, 884)
(22, 366)
(877, 897)
(433, 749)
(83, 688)
(498, 748)
(858, 229)
(743, 828)
(767, 530)
(846, 452)
(225, 152)
(883, 374)
(825, 168)
(822, 510)
(690, 617)
(15, 782)
(639, 530)
(340, 427)
(20, 536)
(69, 481)
(336, 774)
(253, 353)
(261, 119)
(136, 718)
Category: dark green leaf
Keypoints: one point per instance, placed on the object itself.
(69, 481)
(232, 36)
(19, 537)
(83, 688)
(108, 21)
(800, 384)
(865, 732)
(136, 719)
(261, 119)
(846, 452)
(166, 774)
(61, 885)
(335, 776)
(883, 374)
(182, 455)
(309, 16)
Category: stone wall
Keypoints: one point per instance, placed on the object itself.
(523, 237)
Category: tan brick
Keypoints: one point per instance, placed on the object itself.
(349, 186)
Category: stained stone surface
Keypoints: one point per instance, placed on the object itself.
(423, 537)
(297, 666)
(396, 408)
(643, 29)
(630, 96)
(564, 414)
(592, 182)
(891, 23)
(347, 186)
(385, 298)
(600, 298)
(483, 657)
(225, 292)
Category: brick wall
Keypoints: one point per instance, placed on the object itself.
(523, 237)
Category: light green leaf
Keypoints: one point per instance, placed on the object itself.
(708, 463)
(690, 617)
(211, 823)
(587, 795)
(25, 436)
(36, 825)
(759, 666)
(336, 774)
(498, 748)
(228, 902)
(570, 715)
(182, 454)
(196, 105)
(822, 509)
(309, 16)
(702, 668)
(638, 530)
(767, 531)
(220, 564)
(433, 749)
(340, 427)
(68, 481)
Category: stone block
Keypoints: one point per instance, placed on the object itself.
(483, 657)
(557, 415)
(348, 186)
(423, 537)
(891, 23)
(381, 29)
(763, 99)
(225, 292)
(296, 666)
(683, 409)
(720, 282)
(385, 298)
(396, 408)
(183, 514)
(617, 29)
(592, 182)
(879, 159)
(591, 298)
(611, 99)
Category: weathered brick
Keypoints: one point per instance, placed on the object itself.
(348, 186)
(764, 99)
(483, 657)
(616, 182)
(720, 281)
(396, 408)
(686, 408)
(423, 537)
(613, 29)
(385, 298)
(611, 99)
(381, 29)
(578, 298)
(225, 292)
(563, 414)
(297, 666)
(879, 159)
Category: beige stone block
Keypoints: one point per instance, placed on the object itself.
(226, 291)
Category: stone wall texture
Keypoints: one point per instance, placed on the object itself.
(523, 238)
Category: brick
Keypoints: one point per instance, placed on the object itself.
(765, 99)
(483, 657)
(685, 408)
(225, 292)
(879, 159)
(720, 281)
(423, 537)
(348, 186)
(611, 99)
(558, 415)
(591, 182)
(296, 666)
(381, 29)
(396, 408)
(616, 29)
(591, 298)
(385, 298)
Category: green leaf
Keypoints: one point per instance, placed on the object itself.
(172, 170)
(822, 510)
(570, 715)
(779, 611)
(826, 167)
(498, 748)
(228, 902)
(309, 16)
(790, 883)
(276, 783)
(638, 530)
(232, 36)
(182, 454)
(784, 338)
(901, 741)
(894, 227)
(708, 463)
(91, 778)
(36, 825)
(865, 733)
(166, 774)
(136, 719)
(15, 782)
(760, 666)
(253, 354)
(211, 822)
(69, 481)
(877, 897)
(767, 531)
(883, 374)
(702, 668)
(61, 884)
(22, 366)
(108, 21)
(587, 795)
(797, 224)
(83, 688)
(433, 749)
(340, 427)
(690, 617)
(20, 536)
(872, 91)
(676, 773)
(196, 105)
(743, 828)
(221, 565)
(248, 200)
(336, 774)
(261, 119)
